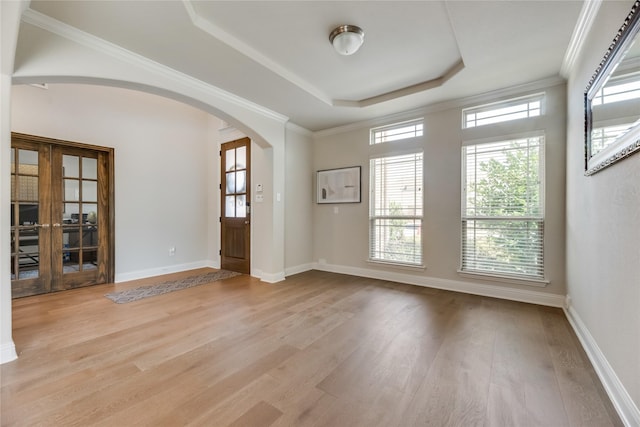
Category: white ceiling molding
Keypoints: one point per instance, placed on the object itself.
(497, 95)
(445, 105)
(223, 36)
(61, 29)
(218, 33)
(580, 32)
(410, 90)
(371, 123)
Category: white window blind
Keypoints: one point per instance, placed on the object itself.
(396, 132)
(519, 108)
(502, 208)
(395, 210)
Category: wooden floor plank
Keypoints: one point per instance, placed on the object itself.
(522, 366)
(319, 349)
(261, 414)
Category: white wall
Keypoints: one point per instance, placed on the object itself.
(163, 166)
(341, 238)
(261, 230)
(213, 179)
(167, 175)
(299, 200)
(603, 238)
(73, 56)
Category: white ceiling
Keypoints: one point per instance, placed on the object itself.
(277, 53)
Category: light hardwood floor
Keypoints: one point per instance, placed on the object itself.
(318, 349)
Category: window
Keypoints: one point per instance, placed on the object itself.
(397, 131)
(395, 210)
(519, 108)
(502, 208)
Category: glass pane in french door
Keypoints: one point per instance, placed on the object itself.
(79, 213)
(25, 236)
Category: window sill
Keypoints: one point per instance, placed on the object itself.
(517, 280)
(396, 264)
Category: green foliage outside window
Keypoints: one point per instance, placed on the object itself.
(503, 229)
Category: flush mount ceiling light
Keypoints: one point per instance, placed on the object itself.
(347, 39)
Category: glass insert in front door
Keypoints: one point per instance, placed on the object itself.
(236, 183)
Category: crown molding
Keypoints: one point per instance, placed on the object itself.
(585, 21)
(482, 98)
(226, 38)
(399, 93)
(218, 33)
(69, 32)
(369, 123)
(497, 95)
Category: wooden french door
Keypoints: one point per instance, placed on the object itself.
(30, 223)
(61, 215)
(235, 233)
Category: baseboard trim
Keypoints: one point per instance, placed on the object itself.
(272, 277)
(626, 408)
(143, 274)
(290, 271)
(8, 352)
(483, 289)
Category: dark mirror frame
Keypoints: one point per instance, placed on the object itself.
(629, 143)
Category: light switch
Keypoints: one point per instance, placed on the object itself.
(335, 210)
(259, 198)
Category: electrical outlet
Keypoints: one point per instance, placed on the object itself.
(172, 251)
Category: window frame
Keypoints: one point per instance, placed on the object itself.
(416, 133)
(512, 102)
(536, 280)
(373, 217)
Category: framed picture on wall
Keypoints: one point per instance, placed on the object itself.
(339, 185)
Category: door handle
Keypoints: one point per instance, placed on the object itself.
(42, 225)
(246, 223)
(56, 224)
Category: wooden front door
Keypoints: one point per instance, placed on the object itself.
(235, 233)
(61, 215)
